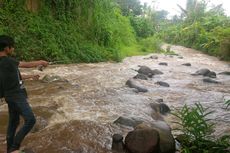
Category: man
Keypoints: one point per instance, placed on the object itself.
(14, 92)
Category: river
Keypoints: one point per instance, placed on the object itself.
(76, 114)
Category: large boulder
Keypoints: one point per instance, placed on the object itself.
(167, 141)
(142, 141)
(127, 121)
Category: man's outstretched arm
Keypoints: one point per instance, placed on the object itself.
(33, 77)
(33, 64)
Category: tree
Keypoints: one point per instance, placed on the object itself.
(130, 7)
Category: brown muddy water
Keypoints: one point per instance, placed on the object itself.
(77, 115)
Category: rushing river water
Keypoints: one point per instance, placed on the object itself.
(77, 115)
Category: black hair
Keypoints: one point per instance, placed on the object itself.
(6, 41)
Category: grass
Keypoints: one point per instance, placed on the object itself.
(134, 50)
(197, 131)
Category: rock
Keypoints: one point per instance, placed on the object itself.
(160, 100)
(148, 72)
(164, 109)
(180, 57)
(163, 63)
(202, 72)
(117, 144)
(153, 57)
(187, 64)
(145, 70)
(211, 74)
(156, 72)
(127, 121)
(161, 83)
(160, 107)
(208, 80)
(167, 142)
(205, 72)
(133, 84)
(53, 78)
(141, 76)
(225, 73)
(142, 141)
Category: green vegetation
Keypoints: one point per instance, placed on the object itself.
(227, 103)
(200, 28)
(102, 30)
(72, 30)
(197, 131)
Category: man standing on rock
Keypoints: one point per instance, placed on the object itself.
(14, 92)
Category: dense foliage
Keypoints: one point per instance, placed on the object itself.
(197, 131)
(204, 29)
(66, 30)
(102, 30)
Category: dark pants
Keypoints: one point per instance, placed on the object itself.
(18, 107)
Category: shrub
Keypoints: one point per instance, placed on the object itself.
(197, 131)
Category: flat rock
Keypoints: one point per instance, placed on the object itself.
(161, 83)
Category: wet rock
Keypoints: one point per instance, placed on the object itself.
(167, 142)
(211, 74)
(161, 83)
(180, 57)
(208, 80)
(127, 121)
(117, 144)
(145, 70)
(187, 64)
(160, 107)
(160, 100)
(142, 141)
(163, 63)
(141, 76)
(53, 78)
(156, 72)
(153, 57)
(148, 72)
(133, 84)
(202, 72)
(225, 73)
(205, 72)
